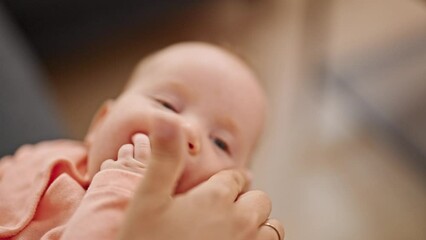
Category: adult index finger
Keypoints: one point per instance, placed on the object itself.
(166, 160)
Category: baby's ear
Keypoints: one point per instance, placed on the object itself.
(98, 119)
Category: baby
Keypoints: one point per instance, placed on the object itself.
(70, 190)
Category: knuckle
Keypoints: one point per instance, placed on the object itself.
(107, 164)
(259, 198)
(263, 197)
(220, 192)
(231, 177)
(247, 222)
(127, 164)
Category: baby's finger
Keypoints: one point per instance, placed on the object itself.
(125, 152)
(142, 147)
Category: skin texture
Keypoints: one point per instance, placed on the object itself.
(205, 91)
(188, 121)
(219, 208)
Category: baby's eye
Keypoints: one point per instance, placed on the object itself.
(167, 105)
(221, 144)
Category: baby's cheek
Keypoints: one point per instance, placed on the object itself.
(187, 180)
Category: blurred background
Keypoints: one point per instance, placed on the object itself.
(344, 155)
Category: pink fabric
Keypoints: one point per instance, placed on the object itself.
(45, 194)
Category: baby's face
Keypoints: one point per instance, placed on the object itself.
(210, 93)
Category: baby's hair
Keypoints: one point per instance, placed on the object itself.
(224, 46)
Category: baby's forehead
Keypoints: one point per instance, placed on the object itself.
(210, 75)
(188, 55)
(219, 73)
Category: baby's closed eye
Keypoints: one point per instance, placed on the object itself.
(167, 105)
(221, 144)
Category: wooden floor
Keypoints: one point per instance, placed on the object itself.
(330, 173)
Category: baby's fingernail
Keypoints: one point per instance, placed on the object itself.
(139, 136)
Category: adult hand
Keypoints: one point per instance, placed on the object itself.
(216, 209)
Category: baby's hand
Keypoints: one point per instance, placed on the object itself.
(131, 157)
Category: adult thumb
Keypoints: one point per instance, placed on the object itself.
(166, 161)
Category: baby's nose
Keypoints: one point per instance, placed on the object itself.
(193, 138)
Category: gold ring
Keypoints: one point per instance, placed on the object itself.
(274, 228)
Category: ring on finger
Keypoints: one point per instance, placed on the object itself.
(267, 224)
